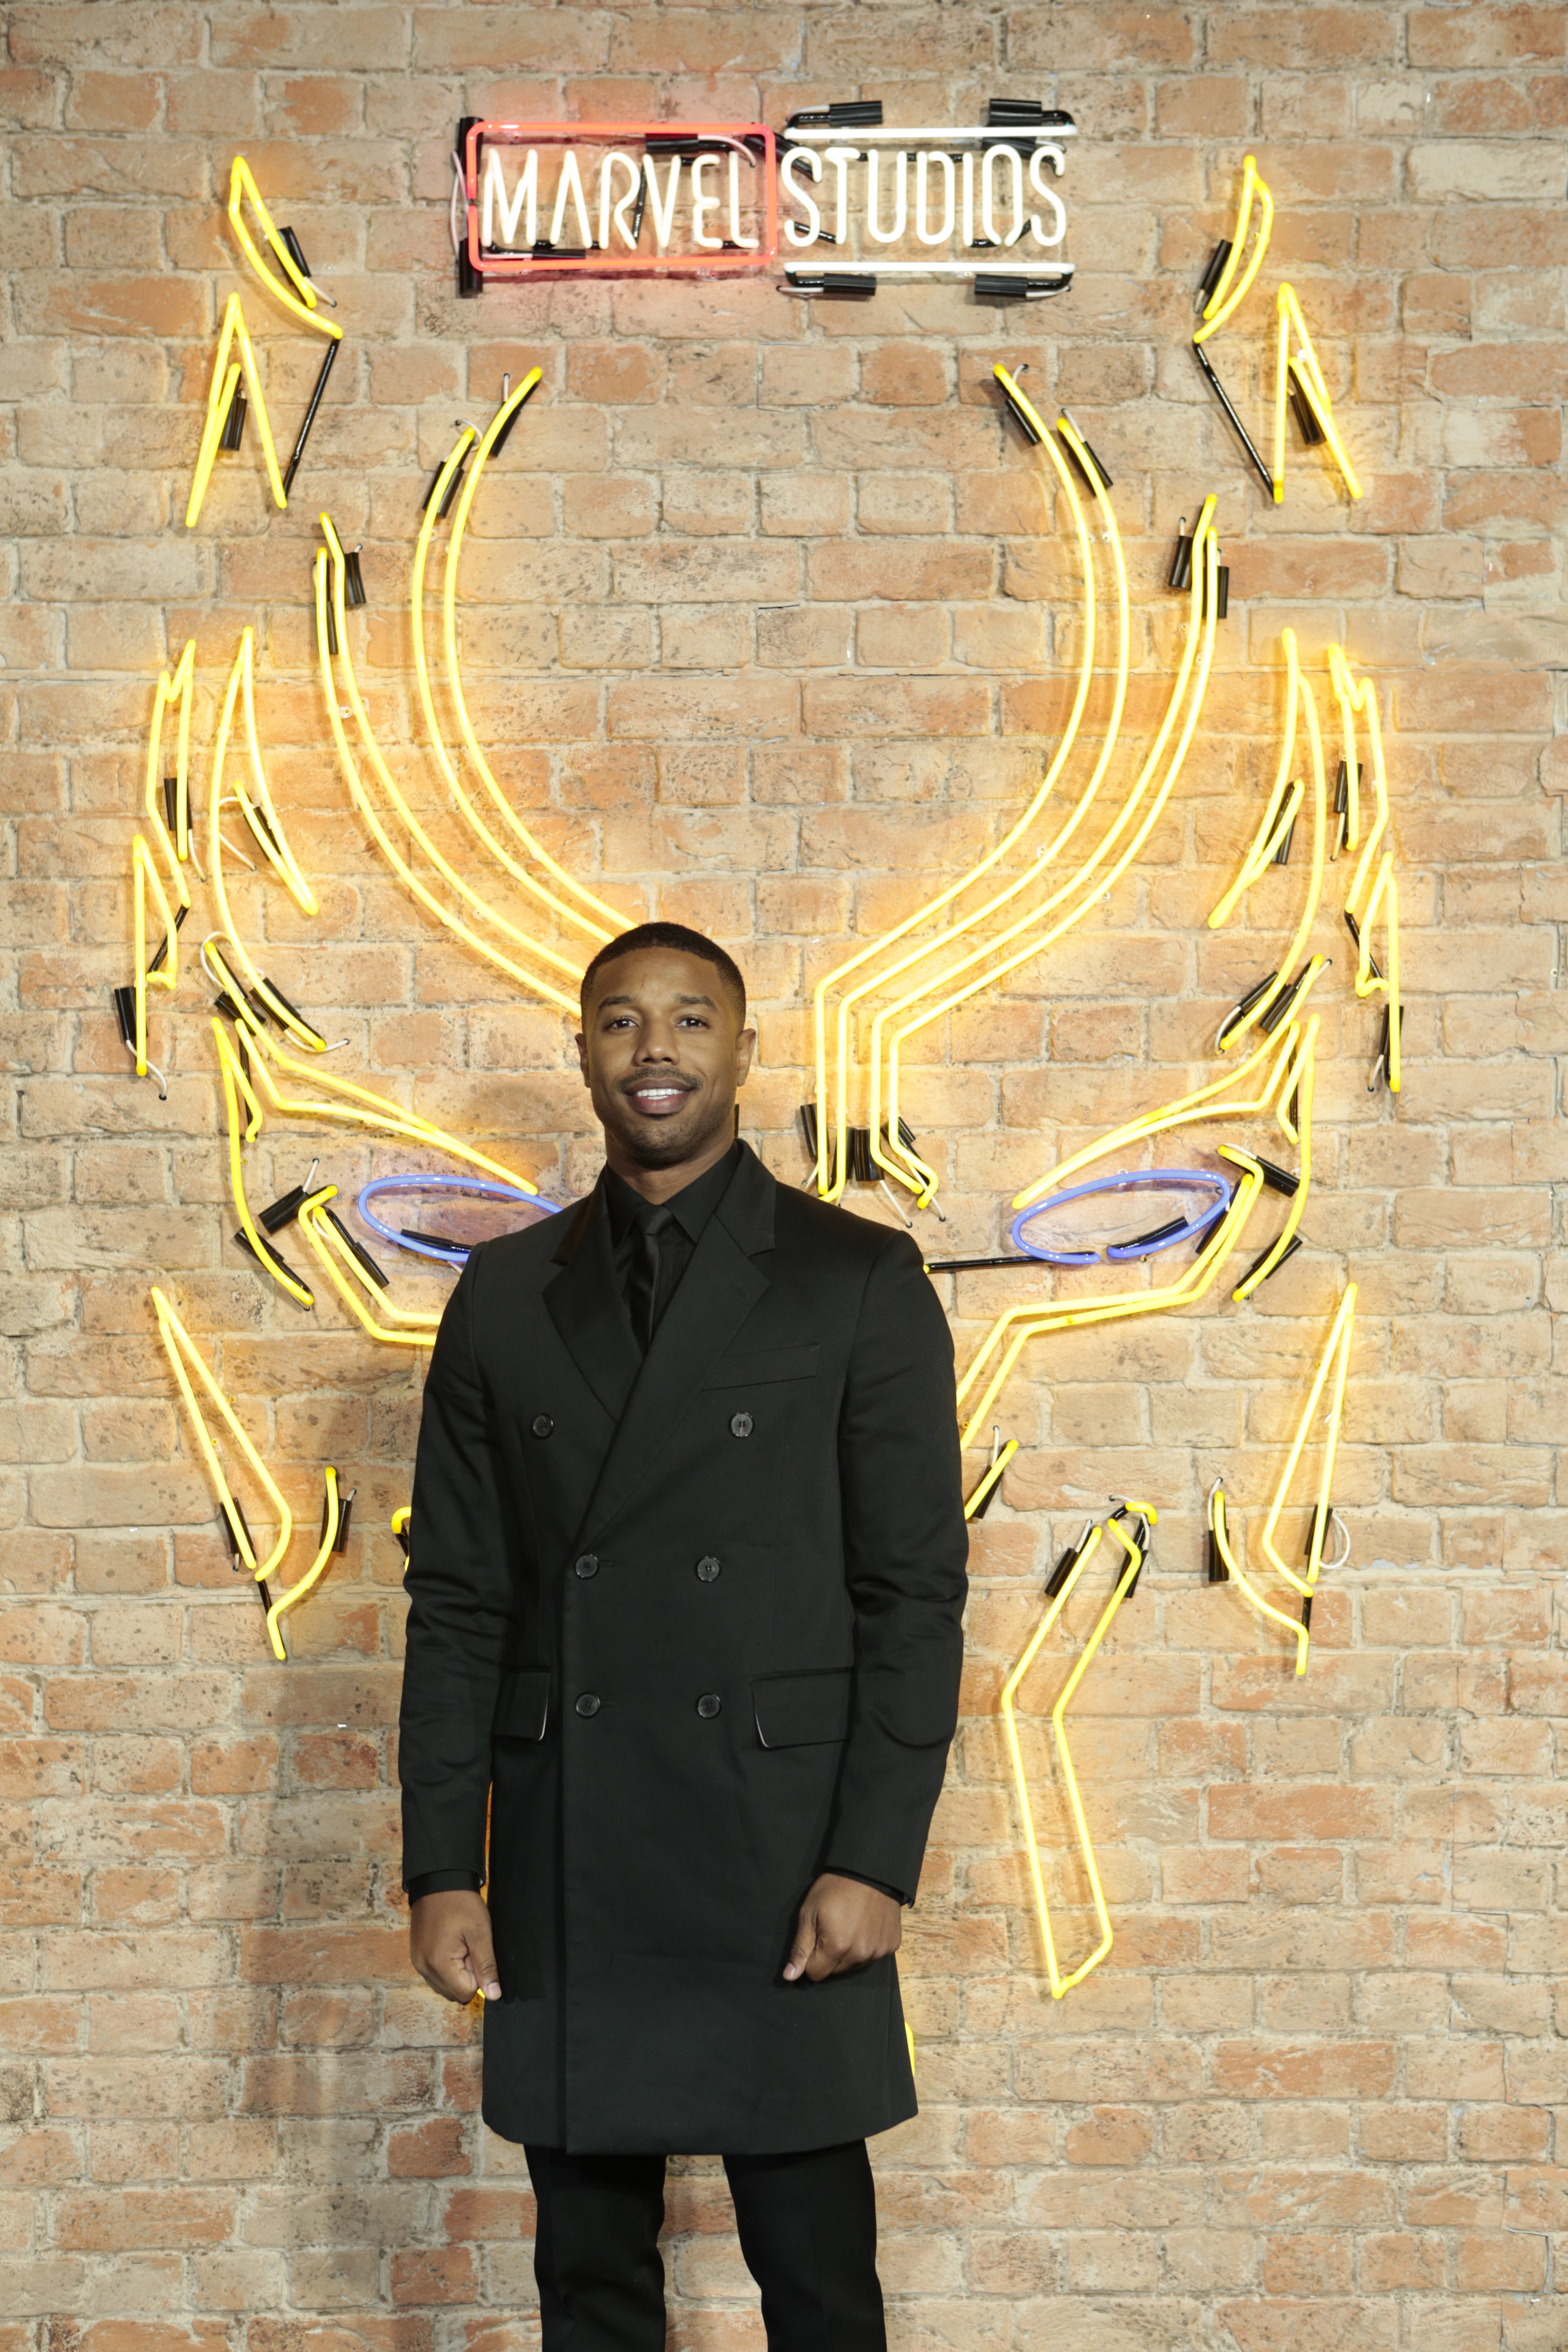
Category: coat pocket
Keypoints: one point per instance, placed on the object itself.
(799, 1710)
(522, 1705)
(767, 1364)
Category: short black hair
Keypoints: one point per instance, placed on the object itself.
(684, 942)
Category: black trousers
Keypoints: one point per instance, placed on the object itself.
(807, 2224)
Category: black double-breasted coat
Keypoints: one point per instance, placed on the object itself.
(689, 1626)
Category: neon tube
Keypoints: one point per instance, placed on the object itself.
(383, 774)
(500, 425)
(236, 1082)
(361, 801)
(171, 690)
(1224, 301)
(1304, 367)
(1089, 885)
(180, 1349)
(284, 1013)
(1216, 1521)
(830, 1184)
(313, 1574)
(226, 376)
(1335, 1357)
(1021, 1779)
(328, 1244)
(1267, 841)
(242, 184)
(434, 507)
(991, 1480)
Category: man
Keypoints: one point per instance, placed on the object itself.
(687, 1572)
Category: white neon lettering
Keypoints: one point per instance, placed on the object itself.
(878, 235)
(840, 158)
(735, 235)
(570, 184)
(664, 210)
(606, 176)
(969, 197)
(793, 230)
(703, 203)
(496, 193)
(1041, 189)
(949, 183)
(987, 192)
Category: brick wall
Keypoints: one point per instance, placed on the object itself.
(769, 624)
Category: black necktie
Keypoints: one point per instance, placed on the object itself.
(650, 1225)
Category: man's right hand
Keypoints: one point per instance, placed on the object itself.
(450, 1944)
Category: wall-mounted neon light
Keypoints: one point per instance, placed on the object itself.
(407, 1327)
(1133, 1543)
(1170, 1235)
(431, 1245)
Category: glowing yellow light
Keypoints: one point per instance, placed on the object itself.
(180, 1350)
(992, 1478)
(144, 878)
(1349, 696)
(171, 689)
(419, 1324)
(1297, 1631)
(1226, 298)
(1269, 835)
(356, 1105)
(302, 304)
(1331, 1366)
(234, 1084)
(226, 376)
(1359, 699)
(898, 1160)
(313, 1574)
(564, 1001)
(1087, 884)
(1063, 1984)
(830, 1181)
(1018, 1325)
(499, 425)
(1303, 366)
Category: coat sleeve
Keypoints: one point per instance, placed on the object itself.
(905, 1545)
(461, 1601)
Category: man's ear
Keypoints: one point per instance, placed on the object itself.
(745, 1051)
(582, 1043)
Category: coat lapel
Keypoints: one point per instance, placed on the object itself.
(718, 1292)
(585, 1306)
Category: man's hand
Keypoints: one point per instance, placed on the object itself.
(842, 1924)
(450, 1944)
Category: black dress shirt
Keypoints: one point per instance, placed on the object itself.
(690, 1211)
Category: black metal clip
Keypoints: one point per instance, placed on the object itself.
(353, 580)
(236, 1557)
(1285, 1003)
(1286, 1254)
(436, 1241)
(1021, 414)
(233, 434)
(843, 114)
(1283, 855)
(991, 286)
(345, 1513)
(357, 1250)
(1141, 1539)
(328, 360)
(1211, 276)
(1067, 1563)
(1106, 479)
(1180, 573)
(160, 954)
(1239, 1011)
(1307, 425)
(862, 1167)
(1278, 1179)
(846, 285)
(1215, 1569)
(274, 1263)
(807, 1116)
(505, 435)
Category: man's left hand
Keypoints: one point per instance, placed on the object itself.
(842, 1926)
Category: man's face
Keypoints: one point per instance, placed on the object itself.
(663, 1053)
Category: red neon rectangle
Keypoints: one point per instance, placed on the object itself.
(602, 265)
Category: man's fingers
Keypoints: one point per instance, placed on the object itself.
(481, 1956)
(804, 1946)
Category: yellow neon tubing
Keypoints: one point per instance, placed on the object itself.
(313, 1576)
(234, 1076)
(924, 1185)
(1299, 1633)
(1284, 977)
(1364, 699)
(242, 184)
(171, 690)
(384, 1115)
(497, 850)
(992, 1477)
(225, 376)
(1269, 832)
(241, 688)
(1335, 1355)
(296, 1025)
(1223, 302)
(1304, 367)
(830, 1187)
(328, 1245)
(383, 773)
(1021, 1779)
(144, 878)
(400, 1517)
(1349, 696)
(177, 1346)
(491, 435)
(1384, 894)
(1091, 885)
(1058, 1727)
(1296, 1077)
(1031, 1321)
(411, 882)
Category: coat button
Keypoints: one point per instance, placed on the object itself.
(588, 1565)
(708, 1705)
(741, 1426)
(587, 1704)
(707, 1569)
(541, 1425)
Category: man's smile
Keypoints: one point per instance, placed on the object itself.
(657, 1097)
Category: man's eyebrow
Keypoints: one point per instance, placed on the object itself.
(624, 997)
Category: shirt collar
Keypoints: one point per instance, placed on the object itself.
(692, 1207)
